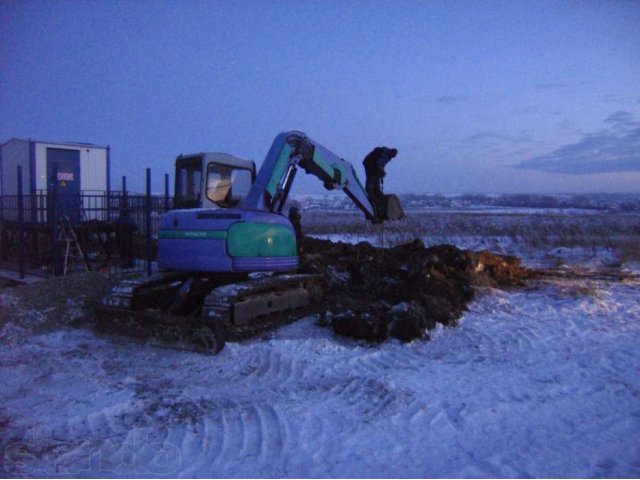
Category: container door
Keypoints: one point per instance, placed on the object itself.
(68, 181)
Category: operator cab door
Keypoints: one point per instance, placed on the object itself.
(188, 188)
(68, 181)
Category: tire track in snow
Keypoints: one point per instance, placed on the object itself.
(236, 436)
(98, 442)
(260, 428)
(380, 359)
(266, 368)
(362, 396)
(223, 438)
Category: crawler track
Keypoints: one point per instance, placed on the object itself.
(200, 314)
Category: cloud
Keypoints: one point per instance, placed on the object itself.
(501, 137)
(527, 110)
(519, 152)
(550, 86)
(616, 149)
(437, 99)
(451, 99)
(622, 121)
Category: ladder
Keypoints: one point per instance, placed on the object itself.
(72, 251)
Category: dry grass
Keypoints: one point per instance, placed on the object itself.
(619, 231)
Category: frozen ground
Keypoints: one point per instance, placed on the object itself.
(542, 381)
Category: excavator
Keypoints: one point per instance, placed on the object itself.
(227, 255)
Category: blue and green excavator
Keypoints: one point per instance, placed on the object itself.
(226, 226)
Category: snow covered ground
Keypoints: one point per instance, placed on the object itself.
(542, 381)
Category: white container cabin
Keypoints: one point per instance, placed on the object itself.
(82, 170)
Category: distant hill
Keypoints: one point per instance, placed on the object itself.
(599, 201)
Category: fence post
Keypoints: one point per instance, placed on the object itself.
(52, 207)
(166, 192)
(124, 201)
(4, 236)
(20, 223)
(147, 219)
(4, 243)
(108, 219)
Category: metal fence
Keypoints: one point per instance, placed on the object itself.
(113, 231)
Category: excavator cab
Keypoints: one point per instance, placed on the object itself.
(210, 229)
(210, 180)
(228, 219)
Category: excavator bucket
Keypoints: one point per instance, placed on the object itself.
(391, 208)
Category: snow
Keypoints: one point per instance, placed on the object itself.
(497, 210)
(542, 381)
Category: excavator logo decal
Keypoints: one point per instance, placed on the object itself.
(193, 234)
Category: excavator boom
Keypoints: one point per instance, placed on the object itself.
(293, 150)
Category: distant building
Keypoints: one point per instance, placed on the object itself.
(82, 168)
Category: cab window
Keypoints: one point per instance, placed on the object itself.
(227, 185)
(188, 182)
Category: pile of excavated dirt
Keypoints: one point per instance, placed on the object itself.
(48, 305)
(404, 291)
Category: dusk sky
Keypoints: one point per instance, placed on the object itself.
(476, 96)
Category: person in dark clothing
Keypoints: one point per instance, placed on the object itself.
(374, 164)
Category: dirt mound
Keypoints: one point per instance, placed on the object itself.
(405, 290)
(48, 305)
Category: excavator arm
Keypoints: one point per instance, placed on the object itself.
(293, 150)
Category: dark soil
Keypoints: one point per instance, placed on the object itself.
(375, 293)
(58, 293)
(372, 293)
(49, 305)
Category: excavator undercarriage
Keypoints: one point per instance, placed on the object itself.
(200, 313)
